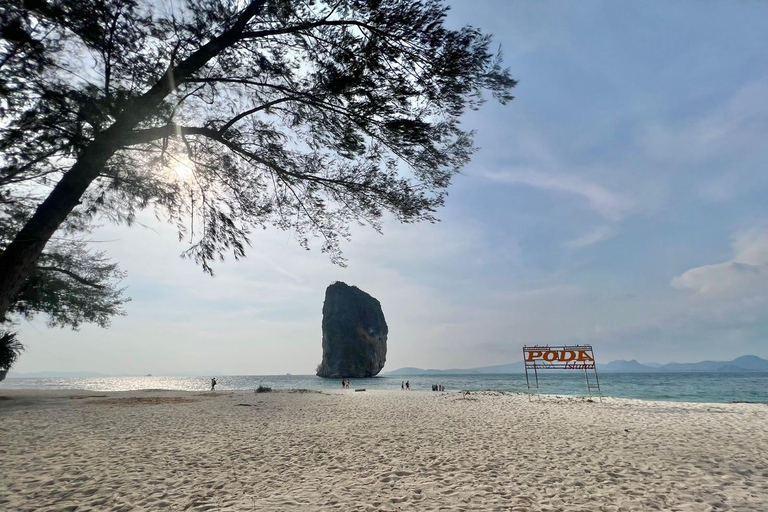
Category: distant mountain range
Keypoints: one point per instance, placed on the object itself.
(740, 364)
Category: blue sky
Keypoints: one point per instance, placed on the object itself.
(619, 200)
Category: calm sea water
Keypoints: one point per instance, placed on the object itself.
(682, 387)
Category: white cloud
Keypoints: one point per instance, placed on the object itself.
(722, 188)
(720, 278)
(752, 247)
(596, 235)
(727, 128)
(746, 273)
(608, 204)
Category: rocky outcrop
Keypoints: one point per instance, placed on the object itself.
(354, 333)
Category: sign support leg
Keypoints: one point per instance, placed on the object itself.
(597, 380)
(527, 382)
(589, 388)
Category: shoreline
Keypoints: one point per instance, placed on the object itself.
(672, 387)
(333, 391)
(74, 393)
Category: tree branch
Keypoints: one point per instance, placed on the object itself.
(150, 134)
(306, 26)
(72, 275)
(253, 111)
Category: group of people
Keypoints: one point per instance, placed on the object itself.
(406, 386)
(345, 383)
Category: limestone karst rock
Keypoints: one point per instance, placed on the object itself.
(354, 333)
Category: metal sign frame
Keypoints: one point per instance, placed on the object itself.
(561, 357)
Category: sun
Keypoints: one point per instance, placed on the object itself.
(183, 170)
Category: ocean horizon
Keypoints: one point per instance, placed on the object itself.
(714, 387)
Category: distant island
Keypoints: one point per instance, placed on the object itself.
(739, 365)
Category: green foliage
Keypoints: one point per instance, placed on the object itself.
(71, 283)
(10, 349)
(308, 116)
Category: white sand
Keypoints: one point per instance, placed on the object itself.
(376, 451)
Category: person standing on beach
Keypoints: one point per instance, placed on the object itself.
(213, 384)
(408, 385)
(402, 384)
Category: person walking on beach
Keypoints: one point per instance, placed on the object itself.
(402, 384)
(213, 384)
(408, 385)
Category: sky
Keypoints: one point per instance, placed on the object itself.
(619, 200)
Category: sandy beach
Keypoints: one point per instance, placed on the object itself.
(241, 451)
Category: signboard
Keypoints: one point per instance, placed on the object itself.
(563, 357)
(579, 357)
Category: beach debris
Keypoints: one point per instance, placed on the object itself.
(360, 390)
(262, 389)
(354, 334)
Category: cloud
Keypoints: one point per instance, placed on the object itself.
(722, 188)
(752, 247)
(746, 273)
(596, 235)
(608, 204)
(729, 128)
(720, 278)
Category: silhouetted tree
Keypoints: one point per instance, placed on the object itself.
(10, 349)
(225, 115)
(70, 283)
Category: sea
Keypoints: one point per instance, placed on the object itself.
(717, 387)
